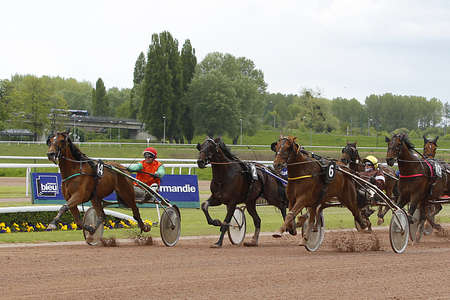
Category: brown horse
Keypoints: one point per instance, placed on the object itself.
(81, 183)
(233, 184)
(429, 152)
(418, 179)
(429, 147)
(351, 158)
(307, 188)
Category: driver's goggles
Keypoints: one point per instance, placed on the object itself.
(149, 155)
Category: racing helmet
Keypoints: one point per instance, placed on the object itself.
(372, 159)
(150, 150)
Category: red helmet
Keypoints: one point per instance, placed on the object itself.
(150, 150)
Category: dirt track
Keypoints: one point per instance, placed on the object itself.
(278, 269)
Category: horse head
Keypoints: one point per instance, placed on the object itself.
(395, 145)
(57, 144)
(283, 149)
(429, 147)
(350, 154)
(207, 150)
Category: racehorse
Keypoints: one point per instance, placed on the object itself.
(307, 188)
(351, 158)
(232, 184)
(429, 152)
(81, 182)
(429, 147)
(418, 179)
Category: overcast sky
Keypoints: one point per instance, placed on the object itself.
(342, 48)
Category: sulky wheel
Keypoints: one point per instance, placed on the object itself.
(90, 219)
(416, 228)
(315, 238)
(399, 231)
(237, 228)
(170, 226)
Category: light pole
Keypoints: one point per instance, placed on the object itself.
(368, 126)
(164, 130)
(241, 130)
(274, 116)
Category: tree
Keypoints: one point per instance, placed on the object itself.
(246, 86)
(7, 105)
(189, 62)
(135, 100)
(157, 89)
(216, 109)
(100, 104)
(36, 99)
(118, 99)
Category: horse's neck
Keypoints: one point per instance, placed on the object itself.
(408, 162)
(221, 165)
(356, 166)
(67, 166)
(298, 162)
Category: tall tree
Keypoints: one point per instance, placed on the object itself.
(189, 62)
(135, 100)
(158, 92)
(100, 104)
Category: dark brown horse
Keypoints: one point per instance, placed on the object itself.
(233, 184)
(418, 182)
(351, 158)
(306, 186)
(81, 183)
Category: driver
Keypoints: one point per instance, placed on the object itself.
(149, 171)
(374, 175)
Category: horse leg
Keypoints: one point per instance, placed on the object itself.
(76, 215)
(126, 193)
(61, 211)
(96, 203)
(211, 202)
(72, 202)
(257, 222)
(290, 218)
(430, 217)
(224, 226)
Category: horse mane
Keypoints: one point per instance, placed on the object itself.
(226, 150)
(405, 139)
(76, 152)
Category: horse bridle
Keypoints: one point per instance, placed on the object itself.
(283, 140)
(58, 154)
(205, 150)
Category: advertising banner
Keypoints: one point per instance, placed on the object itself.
(181, 190)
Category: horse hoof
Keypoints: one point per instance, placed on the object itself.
(89, 239)
(216, 223)
(292, 231)
(216, 246)
(51, 227)
(380, 221)
(277, 235)
(251, 244)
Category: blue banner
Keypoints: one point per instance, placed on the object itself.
(181, 190)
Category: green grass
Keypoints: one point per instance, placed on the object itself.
(193, 223)
(12, 191)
